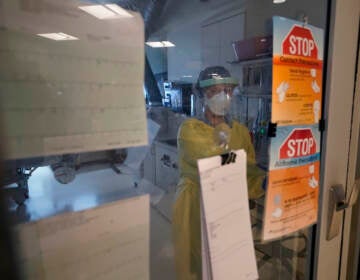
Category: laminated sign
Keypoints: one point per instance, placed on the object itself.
(297, 73)
(292, 193)
(293, 183)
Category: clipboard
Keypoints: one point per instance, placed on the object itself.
(227, 244)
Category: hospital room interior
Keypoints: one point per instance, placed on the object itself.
(158, 56)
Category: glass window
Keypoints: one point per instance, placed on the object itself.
(207, 71)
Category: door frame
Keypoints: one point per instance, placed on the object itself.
(350, 240)
(338, 109)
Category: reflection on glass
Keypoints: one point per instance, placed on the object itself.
(85, 202)
(56, 55)
(220, 35)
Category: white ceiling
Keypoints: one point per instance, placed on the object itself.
(48, 16)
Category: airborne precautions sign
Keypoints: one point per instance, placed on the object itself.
(299, 143)
(292, 193)
(293, 183)
(294, 146)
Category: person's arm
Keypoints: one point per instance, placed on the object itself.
(195, 141)
(255, 175)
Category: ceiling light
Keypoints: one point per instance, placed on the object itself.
(155, 44)
(162, 44)
(118, 10)
(279, 1)
(98, 11)
(60, 36)
(168, 44)
(109, 11)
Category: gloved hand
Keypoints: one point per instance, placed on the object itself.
(222, 134)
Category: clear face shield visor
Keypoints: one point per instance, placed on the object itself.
(218, 92)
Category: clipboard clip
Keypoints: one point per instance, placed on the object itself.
(228, 158)
(272, 129)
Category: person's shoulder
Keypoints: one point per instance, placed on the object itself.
(191, 126)
(192, 123)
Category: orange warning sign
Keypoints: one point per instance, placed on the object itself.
(297, 73)
(293, 184)
(292, 200)
(296, 93)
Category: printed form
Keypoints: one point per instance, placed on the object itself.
(100, 243)
(228, 249)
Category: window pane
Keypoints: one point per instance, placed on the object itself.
(201, 73)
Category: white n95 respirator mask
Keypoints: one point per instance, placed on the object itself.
(219, 103)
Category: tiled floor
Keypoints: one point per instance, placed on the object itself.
(88, 190)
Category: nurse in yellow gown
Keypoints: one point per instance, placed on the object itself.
(214, 134)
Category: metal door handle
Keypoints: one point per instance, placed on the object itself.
(337, 203)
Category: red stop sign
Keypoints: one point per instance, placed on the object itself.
(300, 41)
(299, 143)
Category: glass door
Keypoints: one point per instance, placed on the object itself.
(230, 35)
(105, 102)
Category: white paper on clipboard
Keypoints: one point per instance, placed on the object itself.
(228, 249)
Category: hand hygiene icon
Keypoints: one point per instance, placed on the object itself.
(281, 91)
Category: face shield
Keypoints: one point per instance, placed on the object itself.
(216, 85)
(217, 100)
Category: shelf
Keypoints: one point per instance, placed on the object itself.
(255, 95)
(252, 61)
(255, 92)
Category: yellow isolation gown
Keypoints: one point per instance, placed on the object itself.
(196, 140)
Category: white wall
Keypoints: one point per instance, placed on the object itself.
(260, 12)
(183, 21)
(217, 38)
(185, 58)
(182, 25)
(157, 58)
